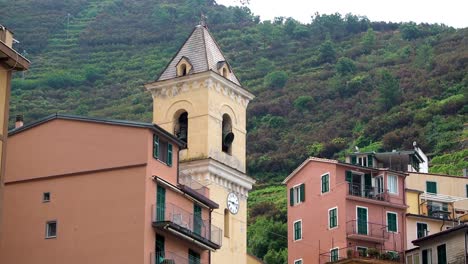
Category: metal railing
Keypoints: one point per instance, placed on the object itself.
(194, 185)
(364, 228)
(167, 257)
(362, 253)
(186, 220)
(368, 192)
(438, 211)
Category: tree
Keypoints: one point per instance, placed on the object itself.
(389, 89)
(368, 41)
(276, 79)
(327, 52)
(303, 102)
(410, 31)
(345, 66)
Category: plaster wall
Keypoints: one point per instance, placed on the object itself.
(433, 226)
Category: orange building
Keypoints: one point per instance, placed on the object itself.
(86, 190)
(10, 61)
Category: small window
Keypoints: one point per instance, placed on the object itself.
(421, 229)
(162, 150)
(227, 136)
(46, 197)
(226, 222)
(183, 69)
(431, 187)
(333, 217)
(298, 261)
(193, 257)
(334, 254)
(392, 224)
(427, 256)
(298, 230)
(297, 194)
(379, 184)
(181, 127)
(466, 187)
(362, 251)
(442, 254)
(416, 258)
(51, 229)
(392, 184)
(155, 147)
(325, 183)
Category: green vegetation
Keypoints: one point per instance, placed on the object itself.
(321, 88)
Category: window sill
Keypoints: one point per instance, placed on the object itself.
(332, 228)
(165, 163)
(51, 237)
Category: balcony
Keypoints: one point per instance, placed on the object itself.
(168, 257)
(373, 193)
(361, 230)
(184, 224)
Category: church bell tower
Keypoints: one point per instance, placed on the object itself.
(199, 99)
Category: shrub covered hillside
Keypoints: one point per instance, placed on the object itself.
(322, 88)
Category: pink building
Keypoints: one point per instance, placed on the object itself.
(86, 190)
(338, 210)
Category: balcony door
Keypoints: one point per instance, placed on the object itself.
(361, 220)
(160, 204)
(197, 219)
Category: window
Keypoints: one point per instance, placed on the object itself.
(416, 258)
(333, 217)
(297, 194)
(160, 204)
(334, 254)
(181, 127)
(379, 184)
(466, 187)
(431, 187)
(193, 257)
(183, 69)
(226, 222)
(392, 184)
(362, 251)
(160, 248)
(298, 230)
(46, 197)
(51, 229)
(392, 222)
(427, 256)
(325, 183)
(421, 230)
(438, 209)
(162, 150)
(298, 261)
(227, 136)
(362, 226)
(197, 219)
(442, 254)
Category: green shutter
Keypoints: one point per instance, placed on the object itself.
(169, 154)
(370, 161)
(353, 159)
(367, 181)
(155, 146)
(333, 218)
(291, 196)
(197, 219)
(362, 221)
(431, 187)
(349, 176)
(297, 230)
(325, 183)
(160, 203)
(421, 229)
(392, 222)
(193, 257)
(441, 254)
(302, 187)
(467, 190)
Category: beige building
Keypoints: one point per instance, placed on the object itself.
(10, 61)
(449, 246)
(435, 203)
(199, 99)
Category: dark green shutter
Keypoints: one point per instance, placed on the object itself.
(333, 218)
(467, 190)
(169, 154)
(367, 181)
(425, 259)
(160, 249)
(370, 161)
(160, 204)
(291, 196)
(155, 146)
(441, 254)
(302, 187)
(353, 159)
(325, 183)
(193, 257)
(362, 221)
(421, 229)
(391, 222)
(197, 219)
(349, 176)
(431, 187)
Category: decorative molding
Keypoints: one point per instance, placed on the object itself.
(209, 171)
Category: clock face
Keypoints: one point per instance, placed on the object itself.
(233, 203)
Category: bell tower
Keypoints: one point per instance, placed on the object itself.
(199, 99)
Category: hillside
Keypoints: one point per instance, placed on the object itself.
(322, 88)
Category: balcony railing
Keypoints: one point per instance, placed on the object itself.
(438, 212)
(367, 231)
(367, 192)
(167, 257)
(187, 223)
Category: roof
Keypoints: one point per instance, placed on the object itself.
(441, 197)
(202, 51)
(12, 58)
(442, 233)
(46, 119)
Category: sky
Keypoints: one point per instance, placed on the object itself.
(449, 12)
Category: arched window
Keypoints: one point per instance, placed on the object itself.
(227, 136)
(181, 127)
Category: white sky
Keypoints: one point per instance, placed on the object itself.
(449, 12)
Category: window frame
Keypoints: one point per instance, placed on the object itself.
(298, 261)
(367, 219)
(428, 253)
(297, 194)
(44, 198)
(163, 145)
(417, 231)
(329, 218)
(396, 184)
(361, 247)
(47, 231)
(327, 176)
(294, 230)
(435, 184)
(396, 221)
(337, 250)
(379, 178)
(445, 253)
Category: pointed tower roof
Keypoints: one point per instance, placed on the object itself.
(203, 53)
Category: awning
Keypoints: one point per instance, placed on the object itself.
(441, 198)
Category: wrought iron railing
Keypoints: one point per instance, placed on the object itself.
(188, 221)
(364, 228)
(367, 192)
(364, 253)
(167, 257)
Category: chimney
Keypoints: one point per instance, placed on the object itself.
(465, 172)
(19, 121)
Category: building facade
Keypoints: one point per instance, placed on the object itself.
(10, 61)
(199, 99)
(339, 210)
(87, 190)
(436, 203)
